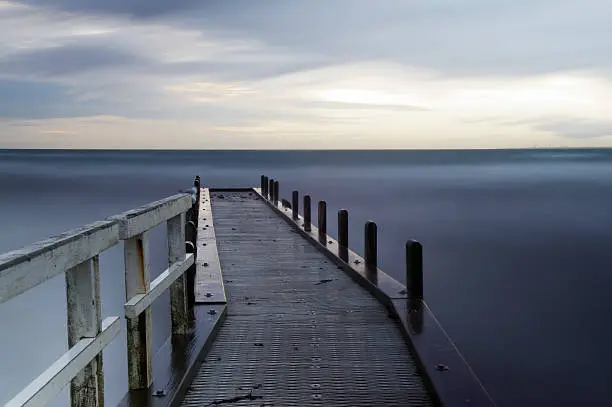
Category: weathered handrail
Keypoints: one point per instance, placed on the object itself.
(76, 254)
(30, 266)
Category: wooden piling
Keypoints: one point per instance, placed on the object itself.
(137, 281)
(343, 234)
(370, 249)
(178, 289)
(323, 222)
(295, 204)
(307, 218)
(85, 321)
(414, 269)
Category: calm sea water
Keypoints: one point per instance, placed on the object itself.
(516, 245)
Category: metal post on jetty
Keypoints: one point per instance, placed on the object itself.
(370, 243)
(264, 186)
(414, 269)
(295, 205)
(307, 214)
(276, 193)
(322, 222)
(343, 234)
(271, 189)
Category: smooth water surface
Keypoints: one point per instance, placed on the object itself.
(516, 246)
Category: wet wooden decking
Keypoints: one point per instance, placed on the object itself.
(298, 330)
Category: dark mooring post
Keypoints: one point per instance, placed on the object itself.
(370, 246)
(271, 189)
(307, 219)
(295, 204)
(343, 234)
(264, 185)
(414, 269)
(323, 222)
(276, 193)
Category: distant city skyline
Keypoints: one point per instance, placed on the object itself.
(289, 74)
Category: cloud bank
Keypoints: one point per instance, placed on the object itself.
(294, 74)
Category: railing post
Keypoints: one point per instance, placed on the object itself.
(271, 189)
(85, 321)
(370, 252)
(343, 234)
(307, 218)
(322, 222)
(295, 205)
(414, 269)
(178, 289)
(137, 280)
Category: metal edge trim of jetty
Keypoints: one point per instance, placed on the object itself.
(208, 262)
(448, 375)
(230, 189)
(174, 383)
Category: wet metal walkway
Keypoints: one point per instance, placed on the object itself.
(298, 330)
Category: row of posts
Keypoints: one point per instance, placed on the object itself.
(414, 249)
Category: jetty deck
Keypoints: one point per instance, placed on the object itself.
(298, 330)
(267, 309)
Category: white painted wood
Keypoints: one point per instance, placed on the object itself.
(138, 303)
(137, 281)
(85, 321)
(50, 383)
(209, 287)
(178, 290)
(30, 266)
(136, 221)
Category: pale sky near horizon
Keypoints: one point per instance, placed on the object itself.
(305, 74)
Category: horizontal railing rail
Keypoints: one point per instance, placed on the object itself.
(76, 254)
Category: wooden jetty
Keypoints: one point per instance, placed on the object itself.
(267, 309)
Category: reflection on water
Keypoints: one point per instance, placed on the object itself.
(516, 258)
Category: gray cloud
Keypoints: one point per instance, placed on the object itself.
(576, 128)
(133, 8)
(24, 99)
(151, 45)
(476, 37)
(66, 60)
(457, 38)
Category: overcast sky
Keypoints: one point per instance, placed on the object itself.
(305, 74)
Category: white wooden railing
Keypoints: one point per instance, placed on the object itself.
(76, 254)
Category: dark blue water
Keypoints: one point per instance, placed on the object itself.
(516, 245)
